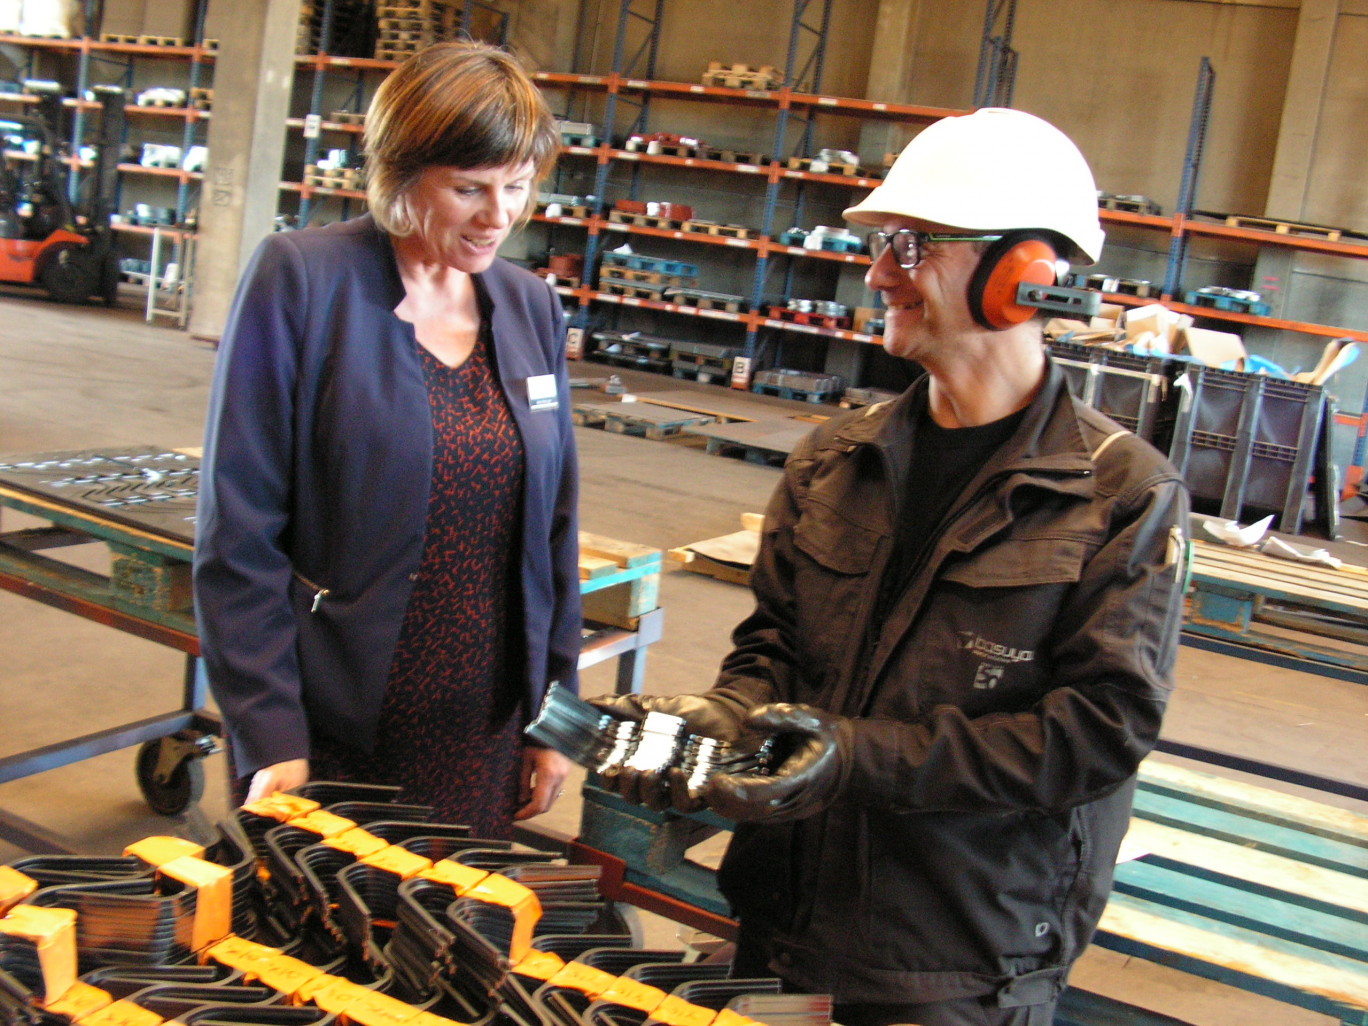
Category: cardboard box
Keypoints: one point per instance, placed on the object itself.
(10, 15)
(170, 19)
(51, 18)
(1214, 348)
(122, 18)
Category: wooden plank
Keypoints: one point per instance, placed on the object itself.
(1226, 953)
(1282, 574)
(720, 405)
(1209, 788)
(591, 567)
(1218, 559)
(1266, 912)
(1264, 869)
(620, 552)
(1241, 827)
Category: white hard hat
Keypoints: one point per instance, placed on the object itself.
(993, 170)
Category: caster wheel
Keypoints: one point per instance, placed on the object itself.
(183, 787)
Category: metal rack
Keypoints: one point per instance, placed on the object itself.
(140, 503)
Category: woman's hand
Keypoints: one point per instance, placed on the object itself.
(279, 777)
(543, 773)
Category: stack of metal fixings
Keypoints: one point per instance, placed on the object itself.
(821, 307)
(603, 743)
(335, 902)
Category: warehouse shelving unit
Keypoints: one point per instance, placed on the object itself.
(632, 100)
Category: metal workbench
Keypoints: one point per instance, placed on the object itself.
(140, 502)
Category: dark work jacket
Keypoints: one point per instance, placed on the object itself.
(1000, 705)
(314, 491)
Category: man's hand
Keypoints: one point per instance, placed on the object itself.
(543, 774)
(808, 781)
(281, 776)
(706, 715)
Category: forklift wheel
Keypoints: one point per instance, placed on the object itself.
(70, 276)
(183, 787)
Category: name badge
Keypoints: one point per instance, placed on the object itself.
(541, 392)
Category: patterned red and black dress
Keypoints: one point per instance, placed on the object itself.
(449, 731)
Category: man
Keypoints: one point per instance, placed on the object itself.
(967, 609)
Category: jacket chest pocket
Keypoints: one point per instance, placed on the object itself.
(832, 582)
(983, 639)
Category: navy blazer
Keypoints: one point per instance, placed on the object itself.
(314, 490)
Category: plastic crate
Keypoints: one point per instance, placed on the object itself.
(1248, 445)
(1135, 391)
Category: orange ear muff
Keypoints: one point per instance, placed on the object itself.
(1007, 263)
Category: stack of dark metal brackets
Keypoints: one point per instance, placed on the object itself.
(605, 744)
(354, 908)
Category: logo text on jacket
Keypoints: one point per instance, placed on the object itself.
(996, 657)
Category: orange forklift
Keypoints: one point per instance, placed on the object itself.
(45, 239)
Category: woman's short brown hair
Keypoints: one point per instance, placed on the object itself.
(457, 104)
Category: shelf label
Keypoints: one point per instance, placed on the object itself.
(638, 83)
(740, 376)
(881, 106)
(743, 243)
(574, 343)
(749, 169)
(695, 89)
(827, 101)
(630, 301)
(312, 124)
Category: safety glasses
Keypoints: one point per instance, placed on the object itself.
(907, 244)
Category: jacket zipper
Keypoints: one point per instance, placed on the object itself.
(320, 593)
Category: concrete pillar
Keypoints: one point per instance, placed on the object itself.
(253, 79)
(890, 73)
(1302, 103)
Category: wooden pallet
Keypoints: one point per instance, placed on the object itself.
(741, 76)
(575, 211)
(733, 156)
(642, 419)
(1247, 886)
(728, 557)
(1128, 204)
(645, 221)
(717, 403)
(161, 41)
(807, 317)
(1284, 227)
(633, 289)
(726, 231)
(705, 300)
(823, 167)
(628, 274)
(703, 373)
(334, 178)
(568, 280)
(760, 441)
(619, 581)
(1313, 614)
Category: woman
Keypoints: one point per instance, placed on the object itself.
(386, 566)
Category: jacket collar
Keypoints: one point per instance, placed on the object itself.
(395, 284)
(1049, 441)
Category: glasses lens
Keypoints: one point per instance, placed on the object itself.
(903, 242)
(904, 245)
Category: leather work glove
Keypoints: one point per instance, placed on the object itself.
(708, 715)
(808, 781)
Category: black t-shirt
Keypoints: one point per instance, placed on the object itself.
(944, 461)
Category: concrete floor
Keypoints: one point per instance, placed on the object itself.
(74, 377)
